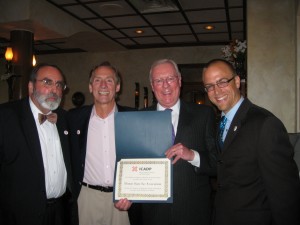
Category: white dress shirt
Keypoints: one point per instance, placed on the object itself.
(54, 165)
(100, 150)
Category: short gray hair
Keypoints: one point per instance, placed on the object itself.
(163, 61)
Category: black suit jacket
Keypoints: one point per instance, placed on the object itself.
(258, 181)
(191, 187)
(22, 180)
(78, 120)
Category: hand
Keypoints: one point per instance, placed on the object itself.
(179, 152)
(123, 204)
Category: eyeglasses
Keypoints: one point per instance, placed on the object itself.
(221, 84)
(160, 81)
(49, 84)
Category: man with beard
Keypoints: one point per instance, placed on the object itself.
(35, 171)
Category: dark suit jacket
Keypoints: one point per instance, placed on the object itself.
(79, 122)
(258, 181)
(22, 181)
(191, 190)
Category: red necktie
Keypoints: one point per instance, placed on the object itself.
(51, 118)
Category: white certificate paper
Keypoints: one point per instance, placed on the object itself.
(143, 180)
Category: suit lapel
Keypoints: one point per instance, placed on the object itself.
(30, 132)
(84, 128)
(182, 120)
(236, 123)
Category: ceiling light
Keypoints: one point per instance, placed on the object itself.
(209, 27)
(139, 31)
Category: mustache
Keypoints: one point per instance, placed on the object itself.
(51, 95)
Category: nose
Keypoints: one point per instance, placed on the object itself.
(165, 83)
(103, 83)
(54, 88)
(217, 89)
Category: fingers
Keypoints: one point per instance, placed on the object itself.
(177, 152)
(123, 204)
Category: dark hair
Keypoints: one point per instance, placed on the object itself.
(39, 66)
(106, 64)
(214, 61)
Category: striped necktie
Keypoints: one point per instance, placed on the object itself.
(173, 132)
(221, 130)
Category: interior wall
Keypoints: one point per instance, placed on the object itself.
(133, 65)
(272, 57)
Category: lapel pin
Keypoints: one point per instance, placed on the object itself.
(78, 132)
(66, 132)
(235, 128)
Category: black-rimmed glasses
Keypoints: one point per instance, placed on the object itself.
(48, 83)
(221, 84)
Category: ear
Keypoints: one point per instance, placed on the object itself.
(179, 81)
(118, 88)
(237, 81)
(90, 88)
(30, 87)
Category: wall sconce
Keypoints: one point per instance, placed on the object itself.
(33, 60)
(8, 56)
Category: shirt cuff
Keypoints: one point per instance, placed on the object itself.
(196, 160)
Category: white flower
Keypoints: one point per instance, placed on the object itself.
(235, 49)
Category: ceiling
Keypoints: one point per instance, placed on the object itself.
(108, 25)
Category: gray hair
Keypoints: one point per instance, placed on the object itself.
(163, 61)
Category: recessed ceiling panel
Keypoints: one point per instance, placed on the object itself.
(61, 2)
(99, 24)
(166, 18)
(114, 33)
(177, 29)
(126, 41)
(216, 37)
(181, 39)
(237, 26)
(79, 11)
(218, 27)
(236, 14)
(201, 4)
(149, 40)
(131, 32)
(112, 8)
(206, 16)
(234, 3)
(127, 21)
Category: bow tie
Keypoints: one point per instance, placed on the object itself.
(52, 118)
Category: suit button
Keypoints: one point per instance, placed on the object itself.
(220, 162)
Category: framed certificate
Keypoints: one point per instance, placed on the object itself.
(143, 173)
(143, 180)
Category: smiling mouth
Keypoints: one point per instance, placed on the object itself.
(103, 92)
(52, 99)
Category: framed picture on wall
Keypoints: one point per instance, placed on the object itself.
(192, 85)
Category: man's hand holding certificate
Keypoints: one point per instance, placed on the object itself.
(143, 173)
